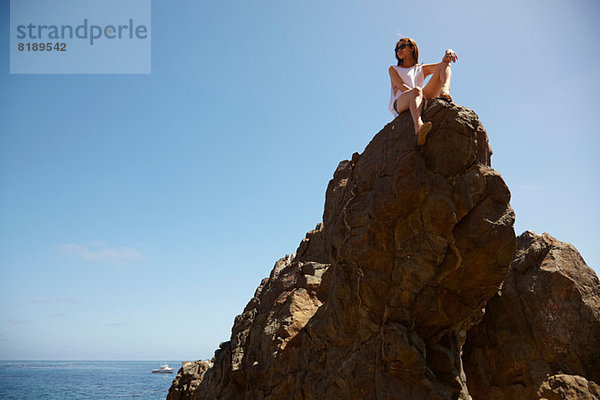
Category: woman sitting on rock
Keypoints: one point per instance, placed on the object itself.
(408, 83)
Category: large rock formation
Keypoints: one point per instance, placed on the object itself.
(540, 337)
(377, 300)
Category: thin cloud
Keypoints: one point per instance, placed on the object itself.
(18, 321)
(55, 315)
(100, 251)
(53, 300)
(116, 324)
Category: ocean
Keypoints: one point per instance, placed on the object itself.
(93, 380)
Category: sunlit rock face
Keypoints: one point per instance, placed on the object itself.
(540, 337)
(377, 300)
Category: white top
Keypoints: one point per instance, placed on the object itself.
(412, 77)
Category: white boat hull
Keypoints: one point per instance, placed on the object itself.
(164, 369)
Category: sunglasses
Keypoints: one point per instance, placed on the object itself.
(403, 45)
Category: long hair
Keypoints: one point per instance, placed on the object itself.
(415, 50)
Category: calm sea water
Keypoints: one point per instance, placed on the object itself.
(64, 380)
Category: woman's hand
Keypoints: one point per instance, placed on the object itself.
(450, 56)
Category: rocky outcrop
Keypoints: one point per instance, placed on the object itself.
(569, 387)
(377, 300)
(188, 379)
(540, 337)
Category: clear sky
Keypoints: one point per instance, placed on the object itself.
(138, 213)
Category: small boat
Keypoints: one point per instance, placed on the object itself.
(164, 369)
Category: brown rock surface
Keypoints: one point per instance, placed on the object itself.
(376, 301)
(540, 337)
(188, 379)
(571, 387)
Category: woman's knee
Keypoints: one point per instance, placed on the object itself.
(444, 68)
(445, 65)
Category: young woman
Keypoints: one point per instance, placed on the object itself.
(408, 83)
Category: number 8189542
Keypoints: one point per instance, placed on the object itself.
(42, 46)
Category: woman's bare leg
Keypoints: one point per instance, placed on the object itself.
(416, 106)
(412, 100)
(439, 84)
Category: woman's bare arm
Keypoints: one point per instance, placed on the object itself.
(449, 56)
(429, 68)
(397, 82)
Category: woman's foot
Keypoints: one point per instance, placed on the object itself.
(422, 133)
(445, 95)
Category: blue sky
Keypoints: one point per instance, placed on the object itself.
(138, 213)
